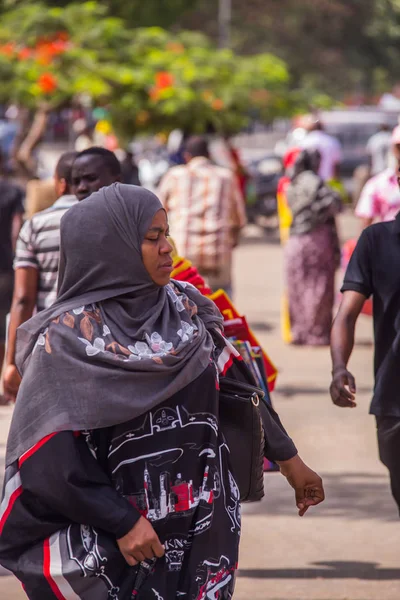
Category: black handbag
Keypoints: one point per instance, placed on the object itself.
(242, 427)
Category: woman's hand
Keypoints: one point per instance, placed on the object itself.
(306, 483)
(140, 543)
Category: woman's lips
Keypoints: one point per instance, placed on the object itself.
(168, 267)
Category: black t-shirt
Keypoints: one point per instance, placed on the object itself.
(11, 203)
(374, 269)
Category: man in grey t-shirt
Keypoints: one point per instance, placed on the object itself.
(378, 147)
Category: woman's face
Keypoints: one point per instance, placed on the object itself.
(156, 250)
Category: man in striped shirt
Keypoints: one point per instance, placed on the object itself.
(38, 247)
(205, 211)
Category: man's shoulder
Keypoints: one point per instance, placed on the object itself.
(378, 182)
(176, 171)
(223, 171)
(47, 217)
(331, 140)
(379, 230)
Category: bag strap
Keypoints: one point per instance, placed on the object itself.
(234, 386)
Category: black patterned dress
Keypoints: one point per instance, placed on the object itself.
(71, 496)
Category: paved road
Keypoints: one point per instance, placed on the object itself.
(346, 549)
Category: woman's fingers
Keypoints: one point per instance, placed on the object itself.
(139, 556)
(130, 560)
(158, 549)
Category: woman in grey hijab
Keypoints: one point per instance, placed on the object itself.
(118, 481)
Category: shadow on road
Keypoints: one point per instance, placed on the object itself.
(262, 237)
(261, 326)
(289, 391)
(327, 570)
(349, 496)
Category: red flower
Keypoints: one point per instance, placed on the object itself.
(44, 57)
(59, 46)
(7, 49)
(164, 80)
(47, 83)
(217, 104)
(25, 53)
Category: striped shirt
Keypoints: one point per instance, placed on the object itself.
(204, 204)
(38, 246)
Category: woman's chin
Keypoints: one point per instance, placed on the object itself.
(163, 279)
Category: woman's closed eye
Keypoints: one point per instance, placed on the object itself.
(156, 237)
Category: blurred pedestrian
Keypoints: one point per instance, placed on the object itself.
(118, 476)
(380, 198)
(206, 213)
(329, 148)
(36, 265)
(312, 253)
(84, 132)
(285, 221)
(284, 213)
(374, 269)
(378, 148)
(129, 169)
(11, 215)
(38, 248)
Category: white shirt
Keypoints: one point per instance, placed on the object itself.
(330, 149)
(378, 147)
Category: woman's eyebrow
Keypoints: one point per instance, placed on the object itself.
(156, 229)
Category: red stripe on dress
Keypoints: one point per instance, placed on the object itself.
(227, 365)
(13, 498)
(46, 571)
(34, 449)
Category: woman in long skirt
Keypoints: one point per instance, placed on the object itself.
(312, 253)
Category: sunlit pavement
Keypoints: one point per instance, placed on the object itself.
(348, 548)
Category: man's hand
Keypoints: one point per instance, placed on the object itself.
(11, 383)
(343, 388)
(308, 486)
(140, 543)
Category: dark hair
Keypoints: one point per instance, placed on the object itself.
(308, 160)
(64, 166)
(197, 145)
(109, 158)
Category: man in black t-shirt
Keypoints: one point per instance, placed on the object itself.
(11, 214)
(374, 269)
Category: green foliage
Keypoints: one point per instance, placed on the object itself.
(149, 79)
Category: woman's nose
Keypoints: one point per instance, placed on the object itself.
(166, 247)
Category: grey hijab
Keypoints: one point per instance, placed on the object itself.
(115, 344)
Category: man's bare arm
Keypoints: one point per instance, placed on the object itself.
(23, 305)
(15, 228)
(343, 387)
